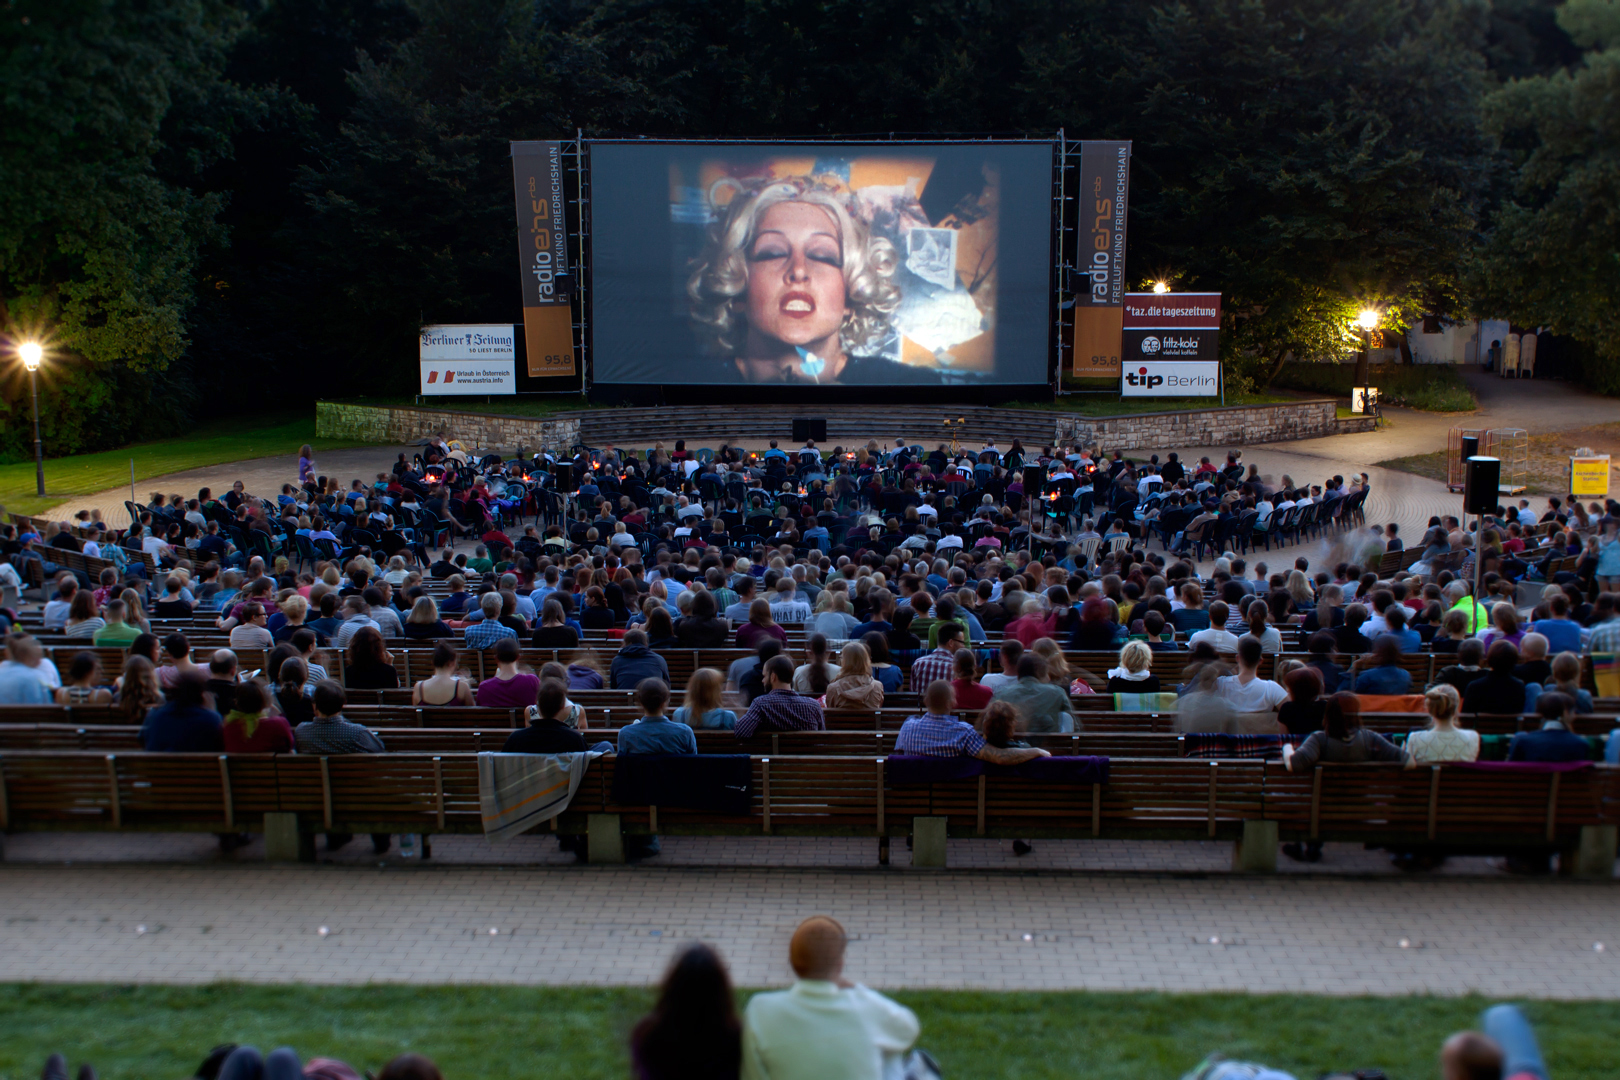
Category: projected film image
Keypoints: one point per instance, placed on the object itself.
(838, 267)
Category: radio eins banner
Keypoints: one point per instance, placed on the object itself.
(1171, 345)
(1105, 182)
(548, 331)
(469, 359)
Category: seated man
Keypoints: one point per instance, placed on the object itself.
(1556, 741)
(1246, 691)
(824, 1026)
(655, 733)
(780, 708)
(1042, 707)
(184, 722)
(636, 663)
(936, 733)
(20, 683)
(329, 733)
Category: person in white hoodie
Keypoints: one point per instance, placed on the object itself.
(824, 1025)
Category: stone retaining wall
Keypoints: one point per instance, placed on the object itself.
(1232, 426)
(404, 424)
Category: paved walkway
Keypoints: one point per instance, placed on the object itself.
(946, 929)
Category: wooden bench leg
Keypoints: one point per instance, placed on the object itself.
(1595, 857)
(928, 841)
(605, 839)
(283, 842)
(1256, 852)
(883, 851)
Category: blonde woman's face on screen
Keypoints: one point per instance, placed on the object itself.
(796, 292)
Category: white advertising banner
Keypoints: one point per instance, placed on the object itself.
(469, 359)
(1171, 378)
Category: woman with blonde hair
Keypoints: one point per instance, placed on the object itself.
(793, 286)
(855, 687)
(702, 702)
(1566, 679)
(134, 611)
(1444, 740)
(1134, 675)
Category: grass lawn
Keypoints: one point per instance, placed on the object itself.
(210, 444)
(488, 1032)
(1433, 387)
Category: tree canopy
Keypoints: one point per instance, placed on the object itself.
(191, 189)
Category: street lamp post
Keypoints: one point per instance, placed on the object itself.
(31, 354)
(1368, 321)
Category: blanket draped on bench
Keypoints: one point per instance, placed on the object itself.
(516, 792)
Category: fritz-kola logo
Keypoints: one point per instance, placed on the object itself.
(1140, 377)
(1150, 345)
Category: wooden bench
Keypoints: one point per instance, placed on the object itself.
(1250, 802)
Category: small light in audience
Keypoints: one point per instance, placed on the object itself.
(323, 931)
(1597, 946)
(1214, 941)
(140, 929)
(493, 931)
(1405, 943)
(1029, 937)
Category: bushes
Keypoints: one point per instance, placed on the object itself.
(1434, 387)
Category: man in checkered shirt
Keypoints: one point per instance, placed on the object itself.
(781, 708)
(483, 635)
(938, 734)
(1604, 635)
(939, 664)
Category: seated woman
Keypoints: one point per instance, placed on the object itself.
(369, 664)
(424, 624)
(855, 688)
(1566, 678)
(759, 626)
(247, 728)
(888, 675)
(703, 628)
(444, 686)
(596, 614)
(1301, 714)
(84, 681)
(814, 676)
(1134, 675)
(970, 693)
(456, 602)
(660, 627)
(1096, 630)
(1341, 740)
(1380, 671)
(554, 631)
(702, 708)
(1443, 740)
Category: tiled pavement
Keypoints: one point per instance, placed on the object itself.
(1174, 924)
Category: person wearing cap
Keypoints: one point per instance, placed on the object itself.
(824, 1025)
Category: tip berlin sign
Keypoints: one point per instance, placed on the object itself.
(1171, 344)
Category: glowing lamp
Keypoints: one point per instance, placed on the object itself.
(31, 353)
(1367, 320)
(1161, 287)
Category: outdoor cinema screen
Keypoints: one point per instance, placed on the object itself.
(826, 264)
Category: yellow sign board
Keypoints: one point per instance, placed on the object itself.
(1589, 476)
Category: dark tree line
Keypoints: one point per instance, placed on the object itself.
(219, 204)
